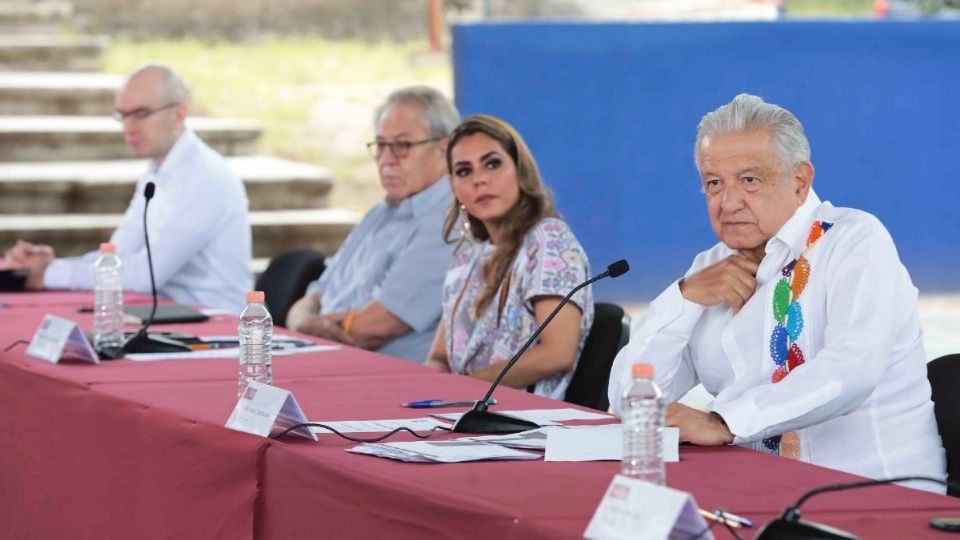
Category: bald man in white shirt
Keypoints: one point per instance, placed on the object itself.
(802, 322)
(199, 232)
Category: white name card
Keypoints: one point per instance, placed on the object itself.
(635, 510)
(61, 339)
(266, 410)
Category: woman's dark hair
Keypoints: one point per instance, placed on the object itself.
(535, 202)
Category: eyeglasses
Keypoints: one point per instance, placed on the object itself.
(140, 112)
(400, 149)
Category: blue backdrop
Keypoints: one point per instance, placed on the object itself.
(610, 112)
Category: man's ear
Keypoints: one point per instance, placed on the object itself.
(181, 112)
(443, 143)
(802, 180)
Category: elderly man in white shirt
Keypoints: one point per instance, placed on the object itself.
(802, 322)
(199, 233)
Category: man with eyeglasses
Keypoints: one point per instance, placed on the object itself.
(199, 233)
(382, 289)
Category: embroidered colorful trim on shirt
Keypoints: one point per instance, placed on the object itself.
(788, 315)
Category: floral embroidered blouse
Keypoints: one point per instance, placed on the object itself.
(550, 262)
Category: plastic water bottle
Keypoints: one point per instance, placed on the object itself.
(642, 414)
(256, 333)
(107, 300)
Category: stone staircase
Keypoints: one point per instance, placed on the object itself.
(66, 175)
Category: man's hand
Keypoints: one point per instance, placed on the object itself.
(17, 255)
(731, 281)
(32, 257)
(698, 427)
(328, 326)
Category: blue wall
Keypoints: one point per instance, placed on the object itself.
(610, 112)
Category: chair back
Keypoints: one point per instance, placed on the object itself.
(944, 375)
(286, 278)
(609, 333)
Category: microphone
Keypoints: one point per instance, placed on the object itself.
(789, 526)
(142, 342)
(479, 419)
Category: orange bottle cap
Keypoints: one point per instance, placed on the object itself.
(255, 296)
(107, 247)
(643, 370)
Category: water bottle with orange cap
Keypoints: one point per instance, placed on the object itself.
(256, 333)
(107, 300)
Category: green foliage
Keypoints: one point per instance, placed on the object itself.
(314, 98)
(830, 8)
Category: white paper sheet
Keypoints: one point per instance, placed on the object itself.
(544, 417)
(601, 443)
(378, 426)
(442, 451)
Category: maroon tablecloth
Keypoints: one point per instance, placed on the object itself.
(137, 450)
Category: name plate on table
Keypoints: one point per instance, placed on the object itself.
(266, 410)
(635, 510)
(61, 339)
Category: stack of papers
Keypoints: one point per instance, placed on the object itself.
(378, 426)
(229, 347)
(535, 439)
(442, 451)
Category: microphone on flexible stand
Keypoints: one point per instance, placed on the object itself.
(142, 342)
(479, 419)
(789, 526)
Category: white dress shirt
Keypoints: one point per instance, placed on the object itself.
(861, 401)
(199, 233)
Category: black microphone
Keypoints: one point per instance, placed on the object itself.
(479, 419)
(789, 526)
(142, 342)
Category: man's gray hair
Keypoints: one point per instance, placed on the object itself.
(174, 89)
(748, 113)
(438, 114)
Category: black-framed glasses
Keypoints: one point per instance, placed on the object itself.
(400, 149)
(140, 112)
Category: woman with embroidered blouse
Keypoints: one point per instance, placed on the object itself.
(516, 260)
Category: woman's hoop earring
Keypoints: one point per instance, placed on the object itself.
(466, 221)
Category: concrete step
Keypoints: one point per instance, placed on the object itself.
(41, 52)
(90, 187)
(274, 232)
(57, 93)
(65, 138)
(35, 17)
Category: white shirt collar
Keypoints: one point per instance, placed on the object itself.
(176, 153)
(793, 233)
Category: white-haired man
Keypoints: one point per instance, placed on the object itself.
(802, 321)
(382, 289)
(199, 233)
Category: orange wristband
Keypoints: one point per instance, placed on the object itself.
(348, 323)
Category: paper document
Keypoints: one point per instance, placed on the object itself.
(442, 451)
(378, 426)
(544, 417)
(601, 443)
(229, 347)
(535, 439)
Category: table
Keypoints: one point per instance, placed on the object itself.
(138, 450)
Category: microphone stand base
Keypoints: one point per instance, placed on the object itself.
(782, 529)
(474, 421)
(142, 342)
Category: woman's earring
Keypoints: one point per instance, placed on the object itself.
(466, 220)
